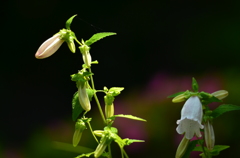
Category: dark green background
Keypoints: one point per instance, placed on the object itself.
(159, 46)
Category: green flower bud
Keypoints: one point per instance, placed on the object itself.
(83, 97)
(71, 45)
(209, 135)
(109, 107)
(79, 128)
(98, 133)
(182, 147)
(221, 94)
(109, 110)
(104, 142)
(49, 47)
(179, 98)
(86, 55)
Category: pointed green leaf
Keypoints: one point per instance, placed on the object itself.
(199, 148)
(224, 108)
(190, 148)
(114, 91)
(175, 94)
(98, 36)
(85, 155)
(194, 85)
(69, 21)
(76, 107)
(210, 100)
(128, 116)
(217, 148)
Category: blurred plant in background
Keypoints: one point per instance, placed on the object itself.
(195, 112)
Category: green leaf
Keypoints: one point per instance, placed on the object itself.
(190, 148)
(128, 116)
(76, 107)
(224, 108)
(199, 148)
(217, 148)
(175, 94)
(194, 85)
(114, 91)
(98, 36)
(69, 21)
(85, 155)
(210, 100)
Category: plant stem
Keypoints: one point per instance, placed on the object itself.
(90, 127)
(204, 151)
(78, 41)
(124, 153)
(109, 151)
(96, 98)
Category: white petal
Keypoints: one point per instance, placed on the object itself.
(192, 109)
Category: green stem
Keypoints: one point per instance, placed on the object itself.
(96, 98)
(90, 127)
(204, 151)
(124, 152)
(78, 42)
(109, 151)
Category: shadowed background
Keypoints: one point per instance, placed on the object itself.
(159, 47)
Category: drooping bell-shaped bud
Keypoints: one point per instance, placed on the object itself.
(86, 55)
(109, 106)
(182, 147)
(79, 128)
(49, 47)
(104, 142)
(71, 44)
(221, 94)
(209, 135)
(109, 110)
(191, 118)
(83, 97)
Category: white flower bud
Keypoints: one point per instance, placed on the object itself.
(221, 94)
(209, 135)
(83, 97)
(86, 55)
(49, 47)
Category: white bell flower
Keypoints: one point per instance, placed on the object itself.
(191, 118)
